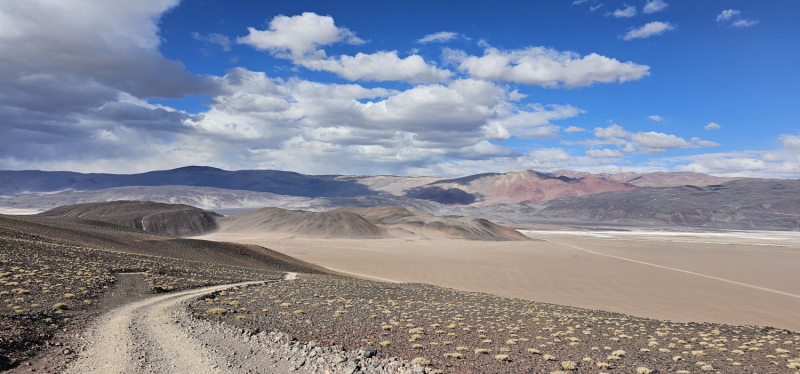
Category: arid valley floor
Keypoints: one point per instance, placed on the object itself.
(734, 278)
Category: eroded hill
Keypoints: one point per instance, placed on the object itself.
(171, 219)
(302, 223)
(402, 222)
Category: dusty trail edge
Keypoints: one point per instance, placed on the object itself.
(143, 337)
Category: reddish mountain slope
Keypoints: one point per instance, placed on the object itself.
(524, 186)
(656, 179)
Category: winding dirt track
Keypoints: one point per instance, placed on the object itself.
(144, 337)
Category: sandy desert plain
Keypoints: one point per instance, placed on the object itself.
(734, 277)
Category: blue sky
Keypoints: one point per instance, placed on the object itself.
(354, 88)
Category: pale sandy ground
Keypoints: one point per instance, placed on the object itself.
(648, 275)
(19, 212)
(779, 238)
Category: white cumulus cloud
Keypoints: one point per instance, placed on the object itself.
(604, 153)
(648, 30)
(654, 6)
(545, 67)
(744, 23)
(572, 129)
(704, 143)
(299, 37)
(657, 142)
(516, 95)
(735, 17)
(628, 12)
(728, 14)
(613, 131)
(790, 141)
(439, 37)
(380, 66)
(656, 118)
(712, 126)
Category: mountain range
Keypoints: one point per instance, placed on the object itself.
(563, 197)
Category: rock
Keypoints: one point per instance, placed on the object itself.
(67, 351)
(350, 368)
(369, 353)
(301, 361)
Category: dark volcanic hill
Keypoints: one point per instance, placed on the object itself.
(302, 223)
(403, 222)
(171, 219)
(760, 204)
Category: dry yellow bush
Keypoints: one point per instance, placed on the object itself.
(59, 306)
(422, 361)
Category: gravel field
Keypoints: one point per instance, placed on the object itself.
(461, 332)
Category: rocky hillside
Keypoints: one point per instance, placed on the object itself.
(171, 219)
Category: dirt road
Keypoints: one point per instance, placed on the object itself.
(147, 337)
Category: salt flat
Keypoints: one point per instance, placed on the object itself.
(646, 275)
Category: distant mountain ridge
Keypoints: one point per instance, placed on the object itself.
(520, 197)
(747, 204)
(274, 181)
(480, 189)
(654, 179)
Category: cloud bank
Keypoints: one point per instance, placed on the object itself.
(81, 98)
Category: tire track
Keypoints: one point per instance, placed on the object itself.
(680, 270)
